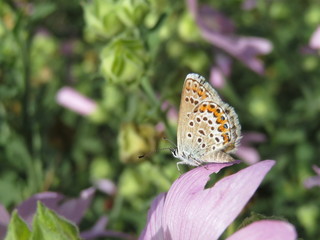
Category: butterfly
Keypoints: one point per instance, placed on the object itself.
(208, 128)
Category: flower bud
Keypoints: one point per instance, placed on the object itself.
(135, 140)
(123, 61)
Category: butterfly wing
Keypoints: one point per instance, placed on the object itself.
(218, 131)
(208, 128)
(190, 98)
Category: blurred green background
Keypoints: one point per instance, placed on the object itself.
(131, 58)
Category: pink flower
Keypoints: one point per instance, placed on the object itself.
(172, 115)
(189, 211)
(220, 71)
(222, 35)
(314, 44)
(4, 221)
(315, 39)
(72, 209)
(75, 101)
(315, 180)
(248, 153)
(217, 77)
(249, 4)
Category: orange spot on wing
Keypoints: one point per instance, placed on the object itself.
(221, 121)
(221, 128)
(195, 89)
(204, 96)
(202, 108)
(200, 93)
(210, 109)
(226, 139)
(216, 113)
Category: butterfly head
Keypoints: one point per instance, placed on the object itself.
(175, 152)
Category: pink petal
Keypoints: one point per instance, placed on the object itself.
(181, 210)
(215, 21)
(106, 186)
(248, 154)
(315, 39)
(258, 45)
(249, 137)
(192, 212)
(316, 169)
(74, 209)
(75, 101)
(308, 50)
(154, 228)
(249, 4)
(27, 208)
(99, 231)
(266, 230)
(224, 62)
(246, 49)
(172, 112)
(160, 127)
(4, 221)
(216, 77)
(193, 7)
(312, 182)
(4, 216)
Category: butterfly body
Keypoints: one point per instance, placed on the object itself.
(208, 128)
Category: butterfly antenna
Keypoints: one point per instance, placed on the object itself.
(157, 150)
(168, 140)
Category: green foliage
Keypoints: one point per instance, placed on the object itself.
(47, 225)
(131, 57)
(18, 229)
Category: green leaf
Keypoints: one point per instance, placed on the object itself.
(42, 10)
(47, 225)
(117, 65)
(18, 229)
